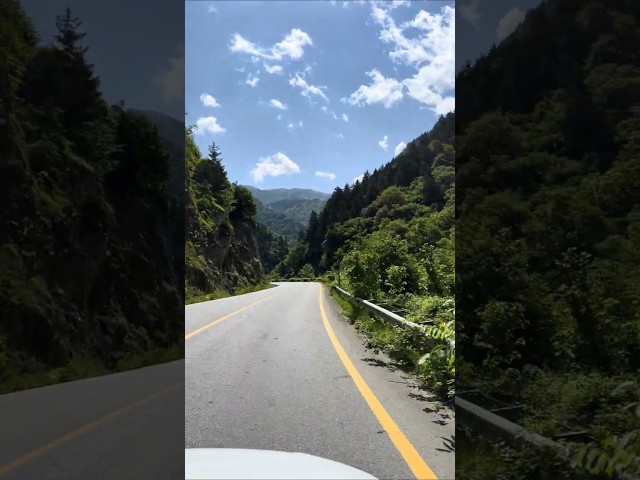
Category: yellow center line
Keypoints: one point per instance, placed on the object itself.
(415, 462)
(209, 325)
(18, 462)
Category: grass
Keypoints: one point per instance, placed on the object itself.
(220, 293)
(79, 368)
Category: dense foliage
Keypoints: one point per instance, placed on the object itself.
(390, 238)
(548, 217)
(220, 244)
(278, 222)
(90, 264)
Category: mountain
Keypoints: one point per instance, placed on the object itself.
(90, 277)
(171, 131)
(278, 222)
(547, 177)
(298, 210)
(221, 252)
(277, 194)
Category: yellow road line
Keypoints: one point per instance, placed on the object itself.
(18, 462)
(209, 325)
(415, 462)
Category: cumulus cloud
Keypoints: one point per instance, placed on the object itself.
(212, 9)
(383, 143)
(291, 46)
(509, 23)
(171, 79)
(278, 104)
(252, 80)
(358, 178)
(305, 89)
(208, 124)
(208, 101)
(431, 53)
(399, 148)
(274, 166)
(330, 176)
(345, 117)
(387, 91)
(273, 69)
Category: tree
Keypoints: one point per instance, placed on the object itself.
(68, 36)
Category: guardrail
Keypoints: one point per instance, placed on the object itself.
(294, 280)
(375, 309)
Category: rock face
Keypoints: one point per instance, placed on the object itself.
(221, 250)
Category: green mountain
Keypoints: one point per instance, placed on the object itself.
(298, 210)
(221, 252)
(547, 177)
(277, 194)
(90, 269)
(279, 223)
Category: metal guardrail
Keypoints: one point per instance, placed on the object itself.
(294, 280)
(376, 310)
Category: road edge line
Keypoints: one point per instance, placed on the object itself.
(418, 466)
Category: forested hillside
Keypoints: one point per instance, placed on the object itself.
(221, 252)
(89, 277)
(390, 238)
(278, 222)
(548, 215)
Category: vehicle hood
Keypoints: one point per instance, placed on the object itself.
(234, 463)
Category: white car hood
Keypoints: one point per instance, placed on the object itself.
(235, 463)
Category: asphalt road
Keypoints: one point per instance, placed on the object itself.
(123, 426)
(280, 370)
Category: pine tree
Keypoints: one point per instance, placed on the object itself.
(68, 36)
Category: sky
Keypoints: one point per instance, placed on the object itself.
(482, 23)
(311, 94)
(139, 57)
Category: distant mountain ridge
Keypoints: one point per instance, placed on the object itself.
(268, 196)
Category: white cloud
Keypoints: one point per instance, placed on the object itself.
(324, 108)
(278, 104)
(387, 91)
(306, 89)
(274, 166)
(431, 53)
(208, 124)
(291, 126)
(332, 2)
(291, 46)
(208, 101)
(335, 117)
(239, 69)
(171, 79)
(383, 143)
(339, 135)
(345, 117)
(399, 148)
(399, 3)
(274, 69)
(330, 176)
(252, 80)
(279, 117)
(420, 89)
(212, 9)
(509, 23)
(358, 178)
(300, 123)
(470, 12)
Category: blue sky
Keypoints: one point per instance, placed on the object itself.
(312, 94)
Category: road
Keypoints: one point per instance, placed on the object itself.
(279, 369)
(123, 426)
